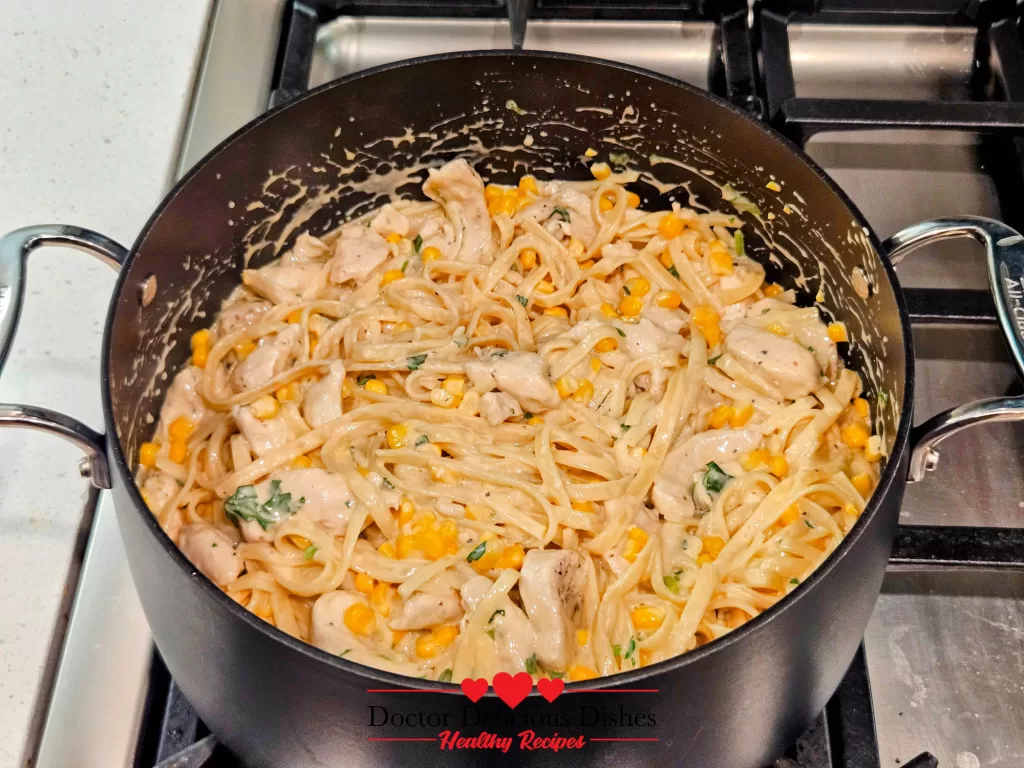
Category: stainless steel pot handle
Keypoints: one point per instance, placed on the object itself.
(14, 250)
(1004, 248)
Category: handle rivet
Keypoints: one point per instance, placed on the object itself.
(148, 291)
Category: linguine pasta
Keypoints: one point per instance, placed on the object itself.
(512, 428)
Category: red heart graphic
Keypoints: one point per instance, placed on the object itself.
(474, 689)
(512, 690)
(550, 689)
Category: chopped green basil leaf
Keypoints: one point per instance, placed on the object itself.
(243, 504)
(499, 353)
(404, 265)
(490, 633)
(522, 300)
(499, 612)
(672, 582)
(713, 360)
(527, 415)
(740, 244)
(345, 652)
(477, 553)
(616, 650)
(385, 483)
(625, 427)
(309, 552)
(511, 104)
(213, 546)
(794, 581)
(361, 381)
(808, 523)
(445, 677)
(883, 399)
(563, 213)
(422, 439)
(620, 332)
(531, 664)
(673, 271)
(625, 290)
(556, 675)
(715, 479)
(630, 648)
(417, 244)
(415, 361)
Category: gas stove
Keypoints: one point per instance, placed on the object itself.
(916, 109)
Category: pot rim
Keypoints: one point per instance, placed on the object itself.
(371, 674)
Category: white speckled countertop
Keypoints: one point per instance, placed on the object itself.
(94, 102)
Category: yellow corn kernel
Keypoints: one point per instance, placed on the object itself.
(427, 646)
(861, 406)
(605, 204)
(585, 265)
(556, 312)
(609, 310)
(388, 550)
(721, 263)
(534, 420)
(244, 348)
(390, 276)
(442, 398)
(647, 617)
(295, 316)
(528, 258)
(360, 619)
(512, 557)
(380, 598)
(406, 546)
(668, 299)
(376, 385)
(545, 287)
(201, 340)
(454, 384)
(772, 290)
(704, 314)
(363, 471)
(566, 386)
(394, 238)
(528, 184)
(754, 459)
(778, 465)
(429, 254)
(740, 416)
(199, 357)
(147, 454)
(670, 226)
(396, 436)
(713, 545)
(364, 583)
(703, 559)
(446, 635)
(837, 332)
(301, 462)
(630, 306)
(636, 539)
(406, 509)
(606, 345)
(181, 429)
(600, 171)
(348, 387)
(666, 259)
(855, 435)
(576, 248)
(506, 205)
(582, 506)
(582, 637)
(773, 186)
(591, 152)
(777, 328)
(862, 483)
(493, 192)
(637, 534)
(646, 657)
(637, 286)
(720, 416)
(790, 515)
(264, 407)
(578, 672)
(584, 393)
(632, 199)
(287, 393)
(873, 449)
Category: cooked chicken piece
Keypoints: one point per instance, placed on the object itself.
(282, 283)
(460, 190)
(212, 551)
(437, 231)
(329, 632)
(263, 435)
(389, 220)
(523, 375)
(242, 315)
(421, 611)
(322, 401)
(357, 256)
(671, 492)
(551, 586)
(514, 636)
(814, 336)
(644, 338)
(183, 398)
(308, 248)
(267, 360)
(317, 495)
(158, 490)
(473, 591)
(784, 363)
(668, 320)
(497, 407)
(565, 213)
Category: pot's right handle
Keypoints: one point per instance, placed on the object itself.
(14, 250)
(1004, 248)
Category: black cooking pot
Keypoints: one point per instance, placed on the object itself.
(736, 702)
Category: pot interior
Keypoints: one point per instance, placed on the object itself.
(341, 150)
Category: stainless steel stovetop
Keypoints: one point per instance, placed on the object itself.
(945, 647)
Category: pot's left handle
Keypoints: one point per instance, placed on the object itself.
(1004, 248)
(14, 250)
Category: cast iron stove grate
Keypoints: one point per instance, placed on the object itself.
(844, 735)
